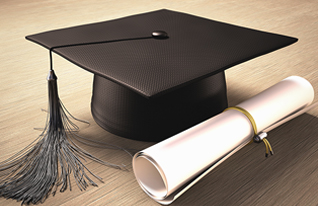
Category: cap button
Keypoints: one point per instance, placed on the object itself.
(159, 34)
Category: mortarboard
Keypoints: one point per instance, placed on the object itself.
(155, 74)
(158, 73)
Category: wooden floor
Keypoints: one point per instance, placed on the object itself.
(290, 177)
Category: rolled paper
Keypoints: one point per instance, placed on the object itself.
(167, 169)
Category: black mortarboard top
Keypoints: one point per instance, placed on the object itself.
(158, 73)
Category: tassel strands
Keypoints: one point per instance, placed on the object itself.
(50, 160)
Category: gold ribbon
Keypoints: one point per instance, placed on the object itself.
(247, 114)
(268, 147)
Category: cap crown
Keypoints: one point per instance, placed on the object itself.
(127, 53)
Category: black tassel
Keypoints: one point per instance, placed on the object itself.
(47, 163)
(50, 160)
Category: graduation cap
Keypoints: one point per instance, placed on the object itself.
(157, 73)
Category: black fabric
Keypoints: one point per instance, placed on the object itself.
(150, 88)
(127, 114)
(196, 48)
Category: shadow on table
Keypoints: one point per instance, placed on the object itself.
(288, 177)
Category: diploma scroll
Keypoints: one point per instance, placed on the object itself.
(167, 169)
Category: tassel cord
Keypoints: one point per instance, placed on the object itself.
(47, 163)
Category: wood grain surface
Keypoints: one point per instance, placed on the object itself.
(290, 177)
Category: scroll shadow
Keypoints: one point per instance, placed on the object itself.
(248, 178)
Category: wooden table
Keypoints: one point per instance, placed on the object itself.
(290, 177)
